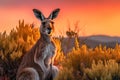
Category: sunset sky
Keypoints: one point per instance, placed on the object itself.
(94, 16)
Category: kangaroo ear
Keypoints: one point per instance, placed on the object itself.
(38, 14)
(54, 13)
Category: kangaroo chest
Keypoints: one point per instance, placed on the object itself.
(49, 50)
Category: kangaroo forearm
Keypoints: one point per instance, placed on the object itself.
(43, 67)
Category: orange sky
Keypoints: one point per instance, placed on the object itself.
(95, 16)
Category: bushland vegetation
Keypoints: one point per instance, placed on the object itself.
(80, 63)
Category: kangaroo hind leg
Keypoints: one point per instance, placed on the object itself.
(55, 71)
(28, 74)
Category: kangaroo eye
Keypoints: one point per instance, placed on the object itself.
(52, 22)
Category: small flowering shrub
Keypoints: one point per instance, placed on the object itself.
(84, 63)
(107, 70)
(14, 46)
(80, 63)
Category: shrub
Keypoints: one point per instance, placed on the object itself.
(91, 64)
(107, 70)
(81, 63)
(14, 46)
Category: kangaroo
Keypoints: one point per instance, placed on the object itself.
(37, 63)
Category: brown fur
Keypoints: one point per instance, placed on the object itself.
(28, 59)
(36, 63)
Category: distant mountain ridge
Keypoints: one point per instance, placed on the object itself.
(91, 42)
(104, 38)
(95, 40)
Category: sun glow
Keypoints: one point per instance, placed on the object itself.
(95, 17)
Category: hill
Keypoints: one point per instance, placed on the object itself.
(91, 42)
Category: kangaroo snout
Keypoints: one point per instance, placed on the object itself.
(49, 30)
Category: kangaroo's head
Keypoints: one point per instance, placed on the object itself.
(47, 24)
